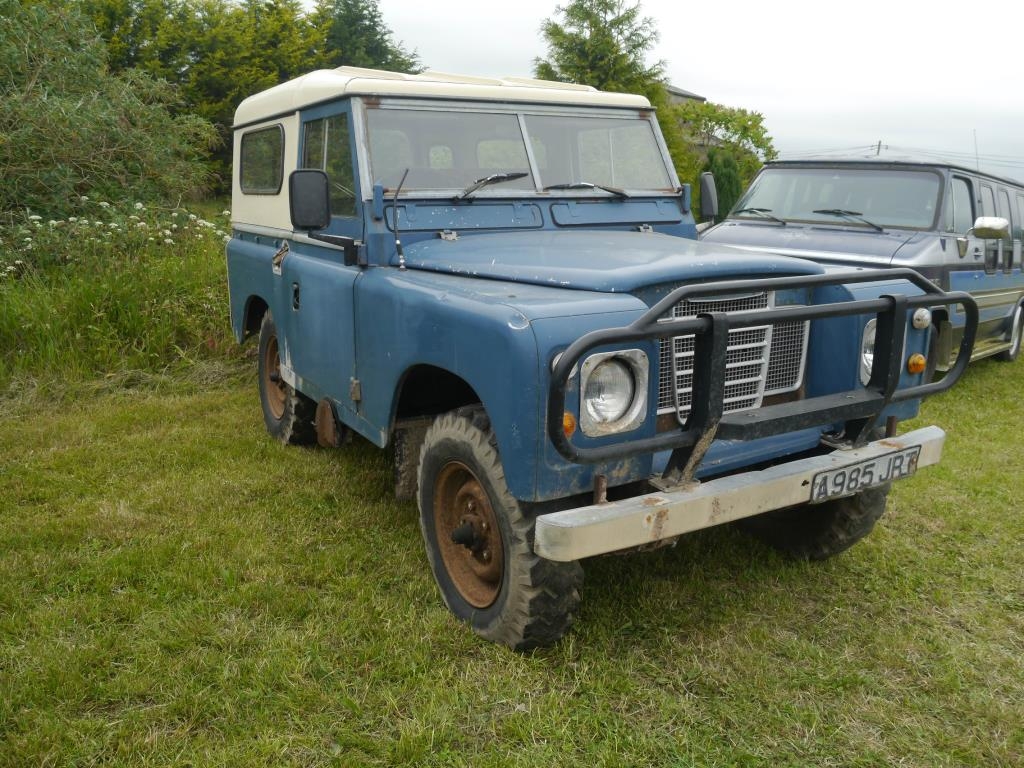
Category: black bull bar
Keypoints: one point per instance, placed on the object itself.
(859, 408)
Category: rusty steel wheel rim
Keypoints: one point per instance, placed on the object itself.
(468, 536)
(273, 384)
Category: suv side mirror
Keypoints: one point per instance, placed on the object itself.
(708, 196)
(990, 228)
(309, 199)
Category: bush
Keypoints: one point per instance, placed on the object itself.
(110, 290)
(70, 128)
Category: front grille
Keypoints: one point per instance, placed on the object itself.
(762, 360)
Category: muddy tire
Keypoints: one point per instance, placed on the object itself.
(479, 540)
(288, 414)
(819, 531)
(1016, 334)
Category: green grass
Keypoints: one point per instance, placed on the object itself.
(176, 589)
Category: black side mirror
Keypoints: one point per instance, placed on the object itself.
(708, 196)
(309, 199)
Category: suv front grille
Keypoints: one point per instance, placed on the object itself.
(763, 360)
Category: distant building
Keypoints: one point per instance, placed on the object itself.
(678, 95)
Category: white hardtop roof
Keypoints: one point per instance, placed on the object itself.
(327, 84)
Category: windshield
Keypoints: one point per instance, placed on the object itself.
(882, 197)
(449, 150)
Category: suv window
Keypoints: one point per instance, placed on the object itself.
(960, 213)
(886, 197)
(325, 145)
(262, 161)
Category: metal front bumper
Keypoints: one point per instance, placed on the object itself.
(601, 528)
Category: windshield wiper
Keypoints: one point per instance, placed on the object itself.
(851, 215)
(587, 185)
(765, 212)
(494, 178)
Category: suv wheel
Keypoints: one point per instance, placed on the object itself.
(479, 540)
(288, 414)
(1016, 331)
(819, 531)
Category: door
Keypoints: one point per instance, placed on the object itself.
(321, 321)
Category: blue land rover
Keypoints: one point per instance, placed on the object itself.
(498, 280)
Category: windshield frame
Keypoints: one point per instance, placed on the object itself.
(363, 105)
(886, 169)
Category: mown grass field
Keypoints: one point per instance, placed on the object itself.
(177, 589)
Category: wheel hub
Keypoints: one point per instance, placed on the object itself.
(273, 384)
(468, 535)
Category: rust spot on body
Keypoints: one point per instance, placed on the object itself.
(658, 524)
(892, 443)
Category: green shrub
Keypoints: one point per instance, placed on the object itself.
(68, 127)
(110, 290)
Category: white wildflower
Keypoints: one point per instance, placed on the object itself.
(140, 207)
(34, 217)
(192, 217)
(83, 199)
(72, 218)
(168, 241)
(103, 204)
(141, 225)
(225, 213)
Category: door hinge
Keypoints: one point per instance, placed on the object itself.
(355, 390)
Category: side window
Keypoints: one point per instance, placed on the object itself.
(1018, 232)
(1006, 212)
(262, 161)
(325, 146)
(988, 201)
(960, 208)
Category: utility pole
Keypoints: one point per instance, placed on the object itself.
(878, 149)
(977, 164)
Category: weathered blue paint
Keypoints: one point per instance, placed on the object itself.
(526, 275)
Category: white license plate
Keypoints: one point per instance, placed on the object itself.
(854, 478)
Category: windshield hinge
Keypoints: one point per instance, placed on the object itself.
(645, 228)
(448, 234)
(355, 390)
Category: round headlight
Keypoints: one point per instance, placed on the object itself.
(609, 391)
(867, 352)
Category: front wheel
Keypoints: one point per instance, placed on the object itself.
(479, 540)
(1016, 332)
(819, 531)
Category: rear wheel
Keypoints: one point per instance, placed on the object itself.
(1016, 332)
(287, 413)
(479, 540)
(819, 531)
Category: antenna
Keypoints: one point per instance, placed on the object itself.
(394, 204)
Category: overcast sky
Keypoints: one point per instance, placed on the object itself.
(917, 76)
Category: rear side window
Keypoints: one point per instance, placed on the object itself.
(262, 161)
(960, 214)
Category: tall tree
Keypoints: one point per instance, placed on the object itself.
(603, 43)
(358, 37)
